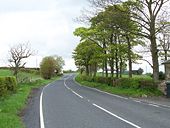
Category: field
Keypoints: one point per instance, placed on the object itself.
(12, 104)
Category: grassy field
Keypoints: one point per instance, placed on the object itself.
(131, 92)
(11, 105)
(5, 72)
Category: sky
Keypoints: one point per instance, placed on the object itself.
(47, 25)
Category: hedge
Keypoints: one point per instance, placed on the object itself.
(7, 84)
(122, 82)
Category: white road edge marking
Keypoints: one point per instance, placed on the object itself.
(41, 108)
(120, 118)
(154, 105)
(41, 112)
(72, 90)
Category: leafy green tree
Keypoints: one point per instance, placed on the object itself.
(59, 64)
(119, 30)
(48, 67)
(96, 36)
(87, 55)
(147, 14)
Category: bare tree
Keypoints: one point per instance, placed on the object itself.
(18, 53)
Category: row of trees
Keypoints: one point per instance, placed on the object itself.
(115, 30)
(49, 66)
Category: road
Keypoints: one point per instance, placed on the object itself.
(66, 104)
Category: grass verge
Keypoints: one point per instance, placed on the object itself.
(11, 105)
(130, 92)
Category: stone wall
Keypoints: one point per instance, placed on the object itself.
(162, 87)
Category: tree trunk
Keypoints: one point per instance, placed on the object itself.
(105, 59)
(154, 53)
(116, 56)
(106, 70)
(87, 70)
(121, 69)
(112, 58)
(129, 57)
(154, 50)
(112, 67)
(103, 69)
(165, 67)
(95, 70)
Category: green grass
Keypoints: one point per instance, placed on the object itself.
(12, 104)
(131, 92)
(5, 72)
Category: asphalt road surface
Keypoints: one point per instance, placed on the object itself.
(66, 104)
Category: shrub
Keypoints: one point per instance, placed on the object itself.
(7, 84)
(11, 83)
(87, 78)
(47, 67)
(161, 76)
(103, 80)
(149, 74)
(127, 82)
(148, 84)
(3, 87)
(136, 83)
(23, 78)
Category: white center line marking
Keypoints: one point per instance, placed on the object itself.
(128, 122)
(77, 94)
(72, 90)
(137, 101)
(100, 90)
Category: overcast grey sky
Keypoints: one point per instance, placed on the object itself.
(47, 24)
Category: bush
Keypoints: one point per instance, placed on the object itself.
(11, 83)
(149, 74)
(104, 80)
(87, 78)
(7, 84)
(148, 84)
(23, 78)
(136, 83)
(47, 67)
(3, 87)
(127, 82)
(161, 76)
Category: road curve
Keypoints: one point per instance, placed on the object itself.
(65, 104)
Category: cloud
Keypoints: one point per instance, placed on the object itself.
(26, 5)
(47, 24)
